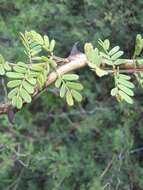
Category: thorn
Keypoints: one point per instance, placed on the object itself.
(74, 50)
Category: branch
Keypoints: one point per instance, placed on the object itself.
(72, 63)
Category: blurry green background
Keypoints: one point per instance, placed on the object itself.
(96, 145)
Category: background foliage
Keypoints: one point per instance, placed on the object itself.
(94, 145)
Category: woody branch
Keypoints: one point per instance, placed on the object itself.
(75, 62)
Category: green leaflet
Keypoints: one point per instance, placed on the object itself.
(58, 83)
(114, 50)
(138, 45)
(106, 44)
(36, 58)
(14, 75)
(87, 48)
(76, 95)
(139, 77)
(100, 72)
(46, 42)
(70, 77)
(126, 90)
(34, 74)
(69, 98)
(114, 91)
(127, 98)
(40, 81)
(125, 83)
(31, 80)
(2, 61)
(14, 100)
(22, 64)
(104, 55)
(36, 67)
(25, 96)
(52, 63)
(140, 61)
(52, 45)
(35, 50)
(41, 78)
(12, 93)
(19, 69)
(2, 71)
(62, 90)
(117, 55)
(28, 87)
(13, 83)
(4, 66)
(126, 77)
(92, 55)
(74, 85)
(17, 102)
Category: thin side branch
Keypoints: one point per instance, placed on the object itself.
(72, 63)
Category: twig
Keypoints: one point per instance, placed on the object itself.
(107, 168)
